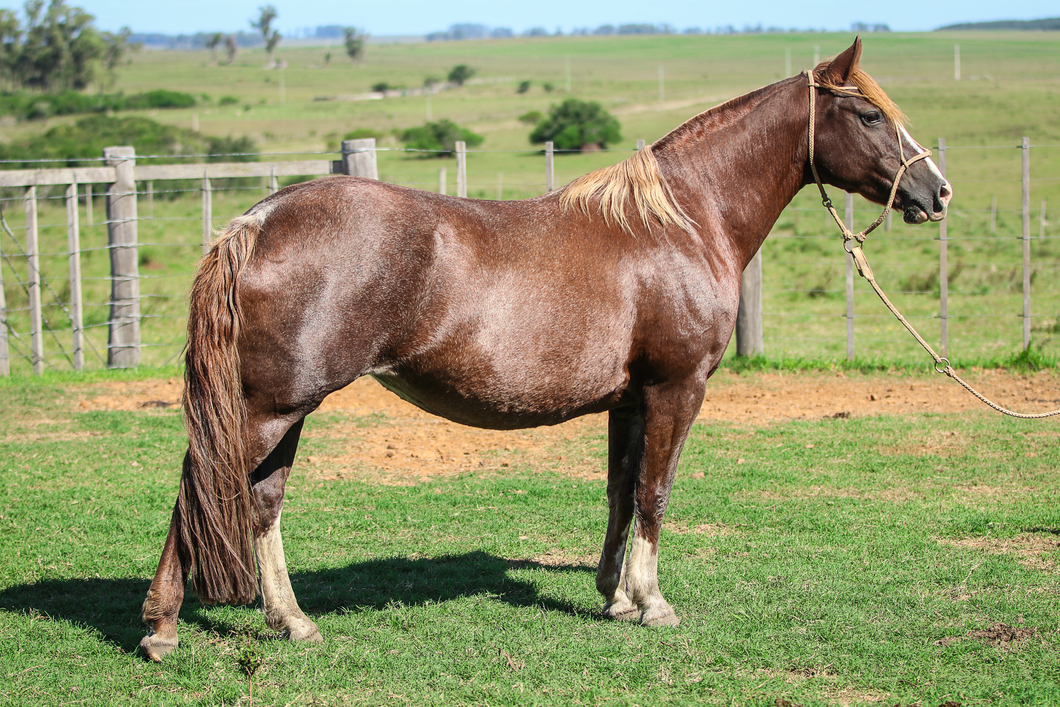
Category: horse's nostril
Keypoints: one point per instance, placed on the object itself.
(945, 192)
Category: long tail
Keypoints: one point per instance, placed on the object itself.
(215, 503)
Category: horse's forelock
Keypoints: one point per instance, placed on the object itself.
(869, 90)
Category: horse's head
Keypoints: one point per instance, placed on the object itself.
(861, 142)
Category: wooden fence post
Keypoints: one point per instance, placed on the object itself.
(36, 325)
(5, 356)
(550, 172)
(73, 242)
(749, 340)
(88, 204)
(749, 315)
(1026, 242)
(848, 217)
(442, 179)
(123, 342)
(461, 169)
(944, 278)
(207, 213)
(358, 158)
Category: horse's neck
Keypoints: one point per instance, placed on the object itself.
(736, 167)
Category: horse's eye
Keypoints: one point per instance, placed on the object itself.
(872, 118)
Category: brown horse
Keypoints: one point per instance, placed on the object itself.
(617, 293)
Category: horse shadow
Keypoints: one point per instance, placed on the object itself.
(111, 606)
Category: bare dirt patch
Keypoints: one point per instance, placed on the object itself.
(402, 444)
(999, 634)
(1031, 548)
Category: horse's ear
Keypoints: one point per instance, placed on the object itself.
(838, 72)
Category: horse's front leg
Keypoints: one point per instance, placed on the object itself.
(282, 612)
(625, 431)
(669, 412)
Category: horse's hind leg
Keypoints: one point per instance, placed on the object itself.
(165, 597)
(282, 612)
(624, 449)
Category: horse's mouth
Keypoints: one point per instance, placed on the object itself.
(914, 212)
(915, 215)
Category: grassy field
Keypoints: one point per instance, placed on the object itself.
(1010, 88)
(879, 560)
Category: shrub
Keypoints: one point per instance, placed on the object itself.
(524, 86)
(532, 118)
(88, 136)
(160, 98)
(36, 106)
(460, 73)
(362, 133)
(439, 138)
(577, 125)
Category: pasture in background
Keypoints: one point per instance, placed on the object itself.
(1007, 91)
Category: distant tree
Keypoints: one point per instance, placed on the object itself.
(523, 87)
(57, 48)
(380, 87)
(212, 43)
(460, 73)
(440, 138)
(231, 48)
(355, 42)
(577, 125)
(270, 36)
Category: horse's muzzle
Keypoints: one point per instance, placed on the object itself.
(915, 213)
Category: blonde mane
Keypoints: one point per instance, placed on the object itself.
(869, 90)
(636, 179)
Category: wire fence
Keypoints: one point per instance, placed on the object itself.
(61, 299)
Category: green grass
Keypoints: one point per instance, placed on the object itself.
(1011, 89)
(821, 562)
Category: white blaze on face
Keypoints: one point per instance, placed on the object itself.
(916, 150)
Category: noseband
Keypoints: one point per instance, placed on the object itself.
(852, 244)
(848, 235)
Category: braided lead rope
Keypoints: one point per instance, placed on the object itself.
(862, 262)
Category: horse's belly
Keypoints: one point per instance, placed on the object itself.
(534, 398)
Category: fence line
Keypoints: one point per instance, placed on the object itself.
(121, 170)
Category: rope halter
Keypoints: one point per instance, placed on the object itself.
(854, 92)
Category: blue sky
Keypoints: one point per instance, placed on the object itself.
(419, 17)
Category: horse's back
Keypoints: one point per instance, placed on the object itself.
(497, 314)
